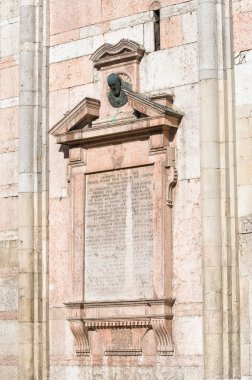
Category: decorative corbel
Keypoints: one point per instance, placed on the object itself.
(80, 333)
(164, 342)
(172, 181)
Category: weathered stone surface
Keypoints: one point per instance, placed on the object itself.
(126, 373)
(9, 79)
(59, 279)
(90, 31)
(71, 73)
(8, 293)
(242, 31)
(10, 102)
(75, 14)
(188, 329)
(8, 220)
(243, 82)
(8, 250)
(130, 21)
(182, 63)
(76, 31)
(9, 45)
(64, 37)
(9, 10)
(134, 33)
(61, 338)
(8, 168)
(171, 32)
(78, 93)
(9, 337)
(118, 237)
(9, 372)
(58, 173)
(187, 281)
(70, 50)
(189, 27)
(59, 101)
(176, 8)
(112, 9)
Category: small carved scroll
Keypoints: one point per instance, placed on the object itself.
(80, 333)
(172, 181)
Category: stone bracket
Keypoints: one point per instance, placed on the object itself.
(80, 333)
(122, 335)
(162, 328)
(172, 181)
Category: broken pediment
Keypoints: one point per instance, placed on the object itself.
(124, 51)
(79, 117)
(82, 123)
(146, 106)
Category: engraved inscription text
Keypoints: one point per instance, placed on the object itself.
(118, 234)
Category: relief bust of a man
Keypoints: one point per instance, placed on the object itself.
(116, 96)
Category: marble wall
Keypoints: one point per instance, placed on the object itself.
(72, 31)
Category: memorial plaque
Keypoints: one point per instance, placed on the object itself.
(119, 234)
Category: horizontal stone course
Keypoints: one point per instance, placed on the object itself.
(74, 14)
(9, 79)
(171, 32)
(9, 102)
(9, 45)
(8, 168)
(70, 73)
(61, 38)
(8, 337)
(9, 10)
(181, 62)
(177, 9)
(130, 21)
(71, 50)
(9, 61)
(8, 293)
(243, 83)
(9, 371)
(9, 219)
(127, 373)
(242, 31)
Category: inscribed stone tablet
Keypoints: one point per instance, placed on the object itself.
(118, 234)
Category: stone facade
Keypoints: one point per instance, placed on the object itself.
(203, 63)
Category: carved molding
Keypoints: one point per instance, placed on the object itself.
(147, 106)
(80, 333)
(80, 116)
(125, 50)
(117, 324)
(123, 338)
(122, 335)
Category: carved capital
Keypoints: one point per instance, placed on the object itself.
(80, 333)
(162, 328)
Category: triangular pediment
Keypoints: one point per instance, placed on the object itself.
(124, 50)
(80, 116)
(146, 106)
